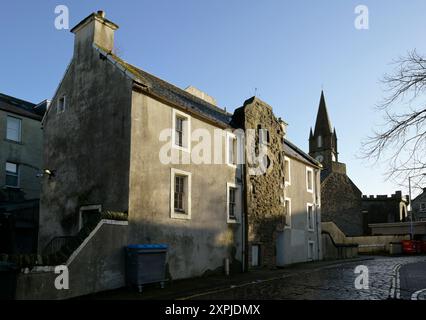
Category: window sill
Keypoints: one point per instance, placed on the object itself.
(14, 142)
(180, 216)
(176, 147)
(232, 221)
(311, 230)
(232, 165)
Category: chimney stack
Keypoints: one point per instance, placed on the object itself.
(93, 29)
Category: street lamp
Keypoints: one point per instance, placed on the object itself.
(411, 209)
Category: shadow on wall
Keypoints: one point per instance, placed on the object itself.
(194, 249)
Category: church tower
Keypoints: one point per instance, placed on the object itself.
(323, 140)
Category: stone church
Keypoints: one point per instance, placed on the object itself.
(340, 197)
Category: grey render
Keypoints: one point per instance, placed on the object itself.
(298, 236)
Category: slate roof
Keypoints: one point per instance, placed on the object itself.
(20, 107)
(293, 151)
(174, 94)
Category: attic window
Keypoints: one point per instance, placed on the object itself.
(60, 106)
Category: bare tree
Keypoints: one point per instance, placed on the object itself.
(401, 142)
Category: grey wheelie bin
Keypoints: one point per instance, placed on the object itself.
(145, 264)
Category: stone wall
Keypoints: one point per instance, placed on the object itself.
(264, 191)
(366, 244)
(97, 265)
(385, 209)
(341, 204)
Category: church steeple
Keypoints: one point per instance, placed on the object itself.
(323, 124)
(323, 141)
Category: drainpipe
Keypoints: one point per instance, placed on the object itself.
(244, 223)
(318, 212)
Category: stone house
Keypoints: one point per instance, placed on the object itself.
(340, 197)
(21, 143)
(119, 139)
(418, 205)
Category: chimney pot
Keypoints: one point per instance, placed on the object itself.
(101, 13)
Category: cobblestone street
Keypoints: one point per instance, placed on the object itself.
(333, 282)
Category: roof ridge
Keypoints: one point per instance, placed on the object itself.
(302, 153)
(182, 90)
(134, 69)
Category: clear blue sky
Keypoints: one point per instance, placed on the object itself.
(288, 50)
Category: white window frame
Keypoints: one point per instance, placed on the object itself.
(238, 210)
(289, 213)
(175, 214)
(87, 208)
(20, 128)
(58, 110)
(18, 175)
(287, 182)
(180, 114)
(310, 190)
(310, 205)
(313, 249)
(233, 137)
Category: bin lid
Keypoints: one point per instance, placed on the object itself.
(148, 246)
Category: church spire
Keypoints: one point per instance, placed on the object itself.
(323, 141)
(323, 124)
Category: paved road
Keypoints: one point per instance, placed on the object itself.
(413, 281)
(337, 282)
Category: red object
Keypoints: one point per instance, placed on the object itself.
(408, 246)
